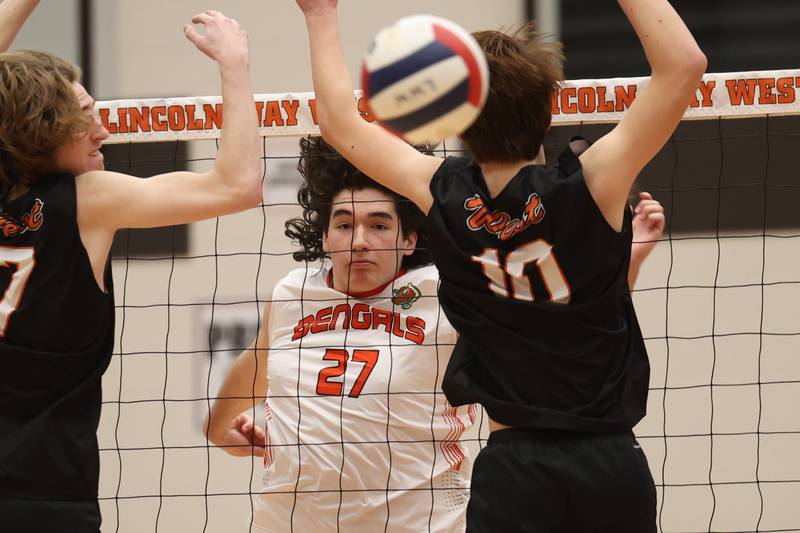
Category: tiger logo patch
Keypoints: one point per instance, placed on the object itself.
(406, 296)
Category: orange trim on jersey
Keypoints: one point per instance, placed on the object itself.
(365, 294)
(450, 445)
(268, 459)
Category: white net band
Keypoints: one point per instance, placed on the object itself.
(733, 95)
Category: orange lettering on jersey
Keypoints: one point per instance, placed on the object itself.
(396, 329)
(30, 221)
(341, 309)
(302, 327)
(416, 329)
(10, 228)
(361, 316)
(34, 218)
(383, 318)
(499, 222)
(322, 320)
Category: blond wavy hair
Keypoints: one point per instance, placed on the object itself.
(38, 113)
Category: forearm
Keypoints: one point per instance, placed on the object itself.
(639, 252)
(244, 388)
(633, 273)
(13, 14)
(333, 86)
(667, 42)
(239, 160)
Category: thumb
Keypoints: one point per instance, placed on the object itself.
(259, 437)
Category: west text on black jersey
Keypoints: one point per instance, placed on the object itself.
(535, 281)
(56, 339)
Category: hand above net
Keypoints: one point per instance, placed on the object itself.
(223, 40)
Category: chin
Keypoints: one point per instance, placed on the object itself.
(97, 163)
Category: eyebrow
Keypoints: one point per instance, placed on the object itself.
(372, 214)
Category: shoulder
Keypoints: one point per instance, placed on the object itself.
(421, 273)
(453, 166)
(300, 280)
(424, 279)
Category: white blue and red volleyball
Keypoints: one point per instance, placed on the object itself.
(425, 78)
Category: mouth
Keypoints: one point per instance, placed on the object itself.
(96, 153)
(360, 263)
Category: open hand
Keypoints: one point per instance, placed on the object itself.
(223, 40)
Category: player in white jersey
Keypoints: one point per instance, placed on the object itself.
(350, 359)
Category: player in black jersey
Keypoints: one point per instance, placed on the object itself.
(59, 211)
(534, 261)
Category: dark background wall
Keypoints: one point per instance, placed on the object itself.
(715, 175)
(735, 34)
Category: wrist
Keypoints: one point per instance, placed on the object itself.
(320, 15)
(234, 61)
(641, 250)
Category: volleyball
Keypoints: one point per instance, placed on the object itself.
(425, 78)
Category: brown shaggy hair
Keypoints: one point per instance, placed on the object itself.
(524, 72)
(38, 113)
(325, 173)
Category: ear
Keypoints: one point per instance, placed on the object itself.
(325, 247)
(408, 244)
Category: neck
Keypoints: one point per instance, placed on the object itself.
(332, 283)
(497, 175)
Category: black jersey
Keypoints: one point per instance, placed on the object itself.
(56, 339)
(535, 281)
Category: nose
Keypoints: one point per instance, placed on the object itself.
(360, 241)
(99, 131)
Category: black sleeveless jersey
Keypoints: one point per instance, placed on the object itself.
(56, 339)
(535, 282)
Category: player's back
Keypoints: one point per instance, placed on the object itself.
(535, 281)
(57, 336)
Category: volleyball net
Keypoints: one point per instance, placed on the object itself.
(717, 301)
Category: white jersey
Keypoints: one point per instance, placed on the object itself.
(360, 436)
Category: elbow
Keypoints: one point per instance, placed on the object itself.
(696, 63)
(248, 192)
(253, 191)
(692, 70)
(328, 128)
(692, 64)
(684, 74)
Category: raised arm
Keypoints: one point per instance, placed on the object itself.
(229, 424)
(13, 14)
(116, 201)
(613, 162)
(377, 153)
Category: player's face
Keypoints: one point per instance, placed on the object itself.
(365, 241)
(82, 153)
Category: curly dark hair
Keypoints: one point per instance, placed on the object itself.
(325, 173)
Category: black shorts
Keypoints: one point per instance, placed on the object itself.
(20, 515)
(542, 481)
